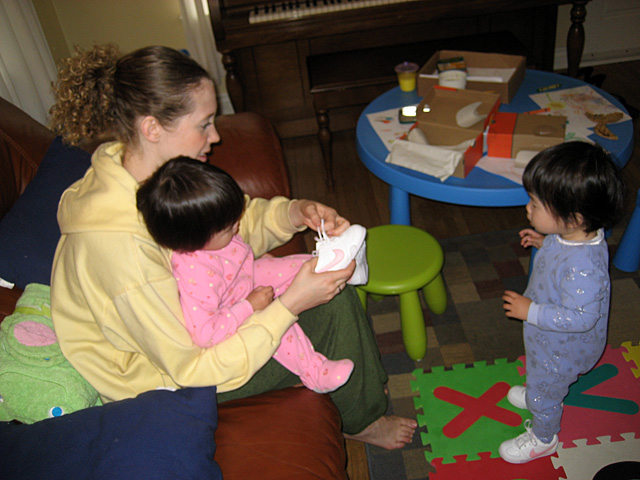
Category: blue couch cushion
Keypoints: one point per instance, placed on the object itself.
(29, 232)
(158, 435)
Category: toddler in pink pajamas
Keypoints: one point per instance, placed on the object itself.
(194, 209)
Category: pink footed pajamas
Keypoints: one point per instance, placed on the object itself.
(213, 288)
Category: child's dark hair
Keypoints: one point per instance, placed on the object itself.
(185, 202)
(577, 178)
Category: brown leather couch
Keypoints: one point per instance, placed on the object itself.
(285, 434)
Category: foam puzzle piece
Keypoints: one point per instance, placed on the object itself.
(472, 408)
(605, 401)
(600, 374)
(488, 468)
(584, 460)
(600, 425)
(588, 421)
(632, 355)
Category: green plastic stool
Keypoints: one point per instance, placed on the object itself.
(403, 260)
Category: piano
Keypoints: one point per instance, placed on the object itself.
(268, 48)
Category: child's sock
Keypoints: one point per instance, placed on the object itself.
(326, 375)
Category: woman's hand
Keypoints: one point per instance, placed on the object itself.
(310, 213)
(260, 298)
(310, 289)
(530, 238)
(515, 305)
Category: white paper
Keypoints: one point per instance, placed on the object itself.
(574, 103)
(388, 127)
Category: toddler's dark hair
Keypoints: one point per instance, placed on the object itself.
(185, 202)
(577, 178)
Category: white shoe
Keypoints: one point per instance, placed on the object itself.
(336, 253)
(517, 396)
(526, 447)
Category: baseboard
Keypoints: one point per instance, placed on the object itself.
(596, 58)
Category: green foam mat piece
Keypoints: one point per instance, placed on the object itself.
(465, 408)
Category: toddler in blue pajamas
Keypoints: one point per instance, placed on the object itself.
(575, 193)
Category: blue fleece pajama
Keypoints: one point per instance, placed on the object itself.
(566, 328)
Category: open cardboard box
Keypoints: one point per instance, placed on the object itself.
(512, 133)
(440, 126)
(508, 71)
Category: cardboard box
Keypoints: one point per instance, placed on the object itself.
(511, 67)
(511, 133)
(440, 126)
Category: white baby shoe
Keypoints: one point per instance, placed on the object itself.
(336, 253)
(526, 446)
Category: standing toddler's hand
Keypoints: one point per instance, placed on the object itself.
(260, 298)
(530, 238)
(515, 305)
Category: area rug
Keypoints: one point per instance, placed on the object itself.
(475, 353)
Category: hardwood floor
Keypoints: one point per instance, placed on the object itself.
(362, 198)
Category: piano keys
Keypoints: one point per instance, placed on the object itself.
(294, 10)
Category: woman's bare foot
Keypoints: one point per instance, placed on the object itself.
(390, 432)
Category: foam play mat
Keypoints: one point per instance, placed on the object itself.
(467, 415)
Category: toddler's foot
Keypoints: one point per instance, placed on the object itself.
(527, 447)
(517, 396)
(327, 375)
(388, 432)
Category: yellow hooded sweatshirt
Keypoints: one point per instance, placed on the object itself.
(115, 301)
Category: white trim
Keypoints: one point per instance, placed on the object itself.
(201, 45)
(225, 106)
(594, 241)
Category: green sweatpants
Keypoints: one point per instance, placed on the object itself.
(339, 329)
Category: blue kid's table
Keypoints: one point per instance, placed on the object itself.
(480, 188)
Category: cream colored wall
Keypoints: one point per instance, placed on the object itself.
(129, 24)
(611, 33)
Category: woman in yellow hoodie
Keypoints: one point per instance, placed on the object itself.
(115, 301)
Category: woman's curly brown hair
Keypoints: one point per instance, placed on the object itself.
(100, 95)
(84, 94)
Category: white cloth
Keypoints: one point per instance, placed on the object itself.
(439, 162)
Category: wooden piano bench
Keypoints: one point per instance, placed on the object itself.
(356, 77)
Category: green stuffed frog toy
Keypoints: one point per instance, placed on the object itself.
(36, 380)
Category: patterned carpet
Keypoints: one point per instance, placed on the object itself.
(478, 268)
